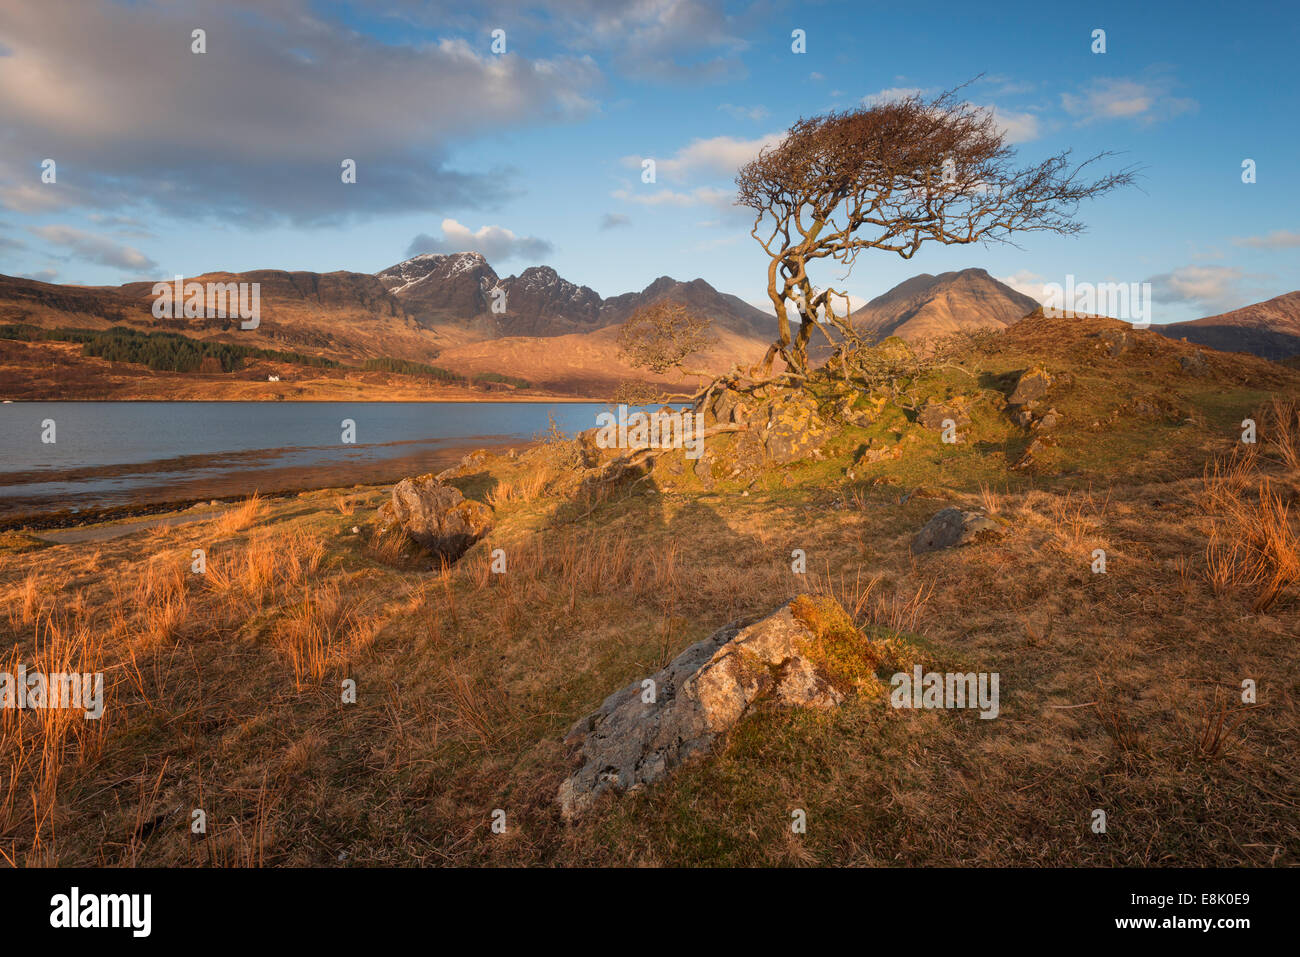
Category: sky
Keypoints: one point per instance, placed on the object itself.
(168, 161)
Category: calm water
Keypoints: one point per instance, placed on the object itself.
(115, 453)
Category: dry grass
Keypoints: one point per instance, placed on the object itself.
(224, 690)
(1253, 543)
(1280, 423)
(527, 487)
(323, 630)
(242, 516)
(172, 646)
(41, 748)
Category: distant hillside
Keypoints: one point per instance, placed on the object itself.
(927, 306)
(429, 310)
(1268, 329)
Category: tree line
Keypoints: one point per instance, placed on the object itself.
(172, 352)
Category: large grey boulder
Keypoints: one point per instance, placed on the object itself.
(952, 527)
(436, 516)
(650, 727)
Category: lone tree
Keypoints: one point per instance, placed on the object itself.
(893, 177)
(663, 336)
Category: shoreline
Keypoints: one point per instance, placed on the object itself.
(61, 514)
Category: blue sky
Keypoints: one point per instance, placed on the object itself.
(174, 162)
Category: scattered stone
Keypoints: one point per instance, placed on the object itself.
(1048, 421)
(874, 454)
(471, 461)
(436, 516)
(1194, 364)
(954, 527)
(1031, 387)
(848, 412)
(1118, 342)
(704, 468)
(1030, 456)
(933, 414)
(630, 741)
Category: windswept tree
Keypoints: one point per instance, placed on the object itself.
(664, 336)
(893, 177)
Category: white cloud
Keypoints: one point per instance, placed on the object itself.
(95, 249)
(496, 243)
(614, 220)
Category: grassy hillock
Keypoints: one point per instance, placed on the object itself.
(1120, 691)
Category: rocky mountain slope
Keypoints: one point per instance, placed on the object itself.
(1269, 329)
(431, 309)
(927, 306)
(461, 288)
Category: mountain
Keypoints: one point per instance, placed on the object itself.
(726, 311)
(460, 288)
(1268, 329)
(411, 310)
(926, 306)
(431, 309)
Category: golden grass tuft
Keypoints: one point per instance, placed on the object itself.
(1253, 543)
(242, 516)
(322, 630)
(1280, 428)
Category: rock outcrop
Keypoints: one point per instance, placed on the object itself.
(435, 516)
(953, 527)
(779, 426)
(650, 727)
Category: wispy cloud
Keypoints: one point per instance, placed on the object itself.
(95, 249)
(614, 220)
(1016, 127)
(1278, 239)
(1027, 282)
(719, 199)
(755, 113)
(1213, 289)
(891, 95)
(1110, 98)
(716, 157)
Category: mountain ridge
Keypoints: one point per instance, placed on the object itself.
(927, 306)
(1269, 329)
